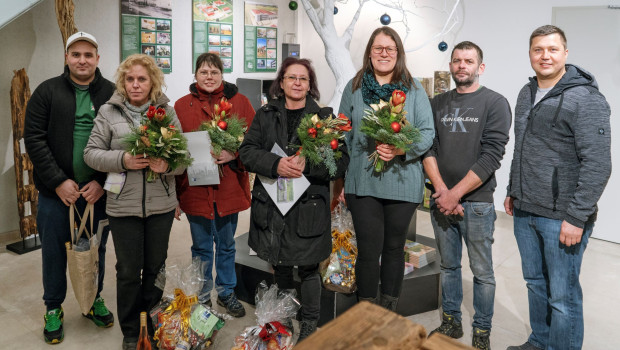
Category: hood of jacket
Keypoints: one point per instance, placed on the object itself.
(574, 76)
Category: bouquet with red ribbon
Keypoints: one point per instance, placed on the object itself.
(156, 137)
(225, 130)
(321, 138)
(386, 122)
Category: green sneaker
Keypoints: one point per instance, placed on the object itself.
(100, 314)
(53, 332)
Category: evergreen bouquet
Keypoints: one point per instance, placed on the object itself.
(321, 138)
(225, 130)
(156, 137)
(386, 122)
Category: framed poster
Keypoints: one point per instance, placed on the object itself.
(146, 27)
(261, 38)
(213, 30)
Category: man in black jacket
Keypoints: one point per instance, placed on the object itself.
(560, 166)
(59, 119)
(472, 124)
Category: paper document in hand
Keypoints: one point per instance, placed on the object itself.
(203, 170)
(284, 192)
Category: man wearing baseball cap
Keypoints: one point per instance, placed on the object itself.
(59, 119)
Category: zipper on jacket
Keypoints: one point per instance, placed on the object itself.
(165, 184)
(555, 187)
(144, 193)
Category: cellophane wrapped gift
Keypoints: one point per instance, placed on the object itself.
(275, 311)
(179, 320)
(338, 271)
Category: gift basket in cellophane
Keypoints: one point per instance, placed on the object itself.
(180, 321)
(275, 310)
(338, 271)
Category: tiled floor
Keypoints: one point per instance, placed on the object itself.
(21, 307)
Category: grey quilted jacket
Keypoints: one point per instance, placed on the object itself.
(104, 152)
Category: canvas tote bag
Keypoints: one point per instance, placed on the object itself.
(83, 265)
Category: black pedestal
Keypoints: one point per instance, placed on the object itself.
(420, 290)
(25, 245)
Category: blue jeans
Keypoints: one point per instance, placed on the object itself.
(53, 227)
(220, 230)
(476, 229)
(551, 272)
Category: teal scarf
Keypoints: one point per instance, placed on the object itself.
(372, 92)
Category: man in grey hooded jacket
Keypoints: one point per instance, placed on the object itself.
(561, 164)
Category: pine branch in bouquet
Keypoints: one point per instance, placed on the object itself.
(157, 137)
(386, 122)
(225, 130)
(321, 139)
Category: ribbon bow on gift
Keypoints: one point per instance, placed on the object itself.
(343, 240)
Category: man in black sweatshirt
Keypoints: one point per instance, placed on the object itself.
(471, 131)
(561, 164)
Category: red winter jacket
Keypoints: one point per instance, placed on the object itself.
(232, 195)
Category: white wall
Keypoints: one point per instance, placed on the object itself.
(500, 28)
(33, 41)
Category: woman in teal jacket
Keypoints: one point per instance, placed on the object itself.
(382, 204)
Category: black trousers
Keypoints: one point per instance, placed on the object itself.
(381, 230)
(141, 246)
(310, 287)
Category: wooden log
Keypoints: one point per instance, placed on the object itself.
(20, 94)
(366, 326)
(64, 15)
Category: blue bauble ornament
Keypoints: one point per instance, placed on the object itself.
(442, 46)
(385, 19)
(292, 5)
(335, 10)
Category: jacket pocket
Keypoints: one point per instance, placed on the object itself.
(314, 216)
(260, 208)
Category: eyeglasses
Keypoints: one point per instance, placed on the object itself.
(391, 50)
(206, 73)
(292, 79)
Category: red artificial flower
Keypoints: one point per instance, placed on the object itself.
(144, 128)
(298, 151)
(312, 132)
(225, 106)
(151, 112)
(398, 97)
(346, 127)
(160, 113)
(171, 126)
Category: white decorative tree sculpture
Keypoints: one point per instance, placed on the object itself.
(337, 53)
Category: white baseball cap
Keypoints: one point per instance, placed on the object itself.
(79, 36)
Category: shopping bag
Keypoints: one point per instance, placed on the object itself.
(338, 271)
(83, 258)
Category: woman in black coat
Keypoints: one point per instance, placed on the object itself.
(302, 237)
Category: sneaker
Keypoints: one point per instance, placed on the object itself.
(100, 314)
(481, 339)
(450, 327)
(53, 332)
(232, 305)
(526, 346)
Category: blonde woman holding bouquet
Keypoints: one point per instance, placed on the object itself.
(140, 212)
(212, 210)
(382, 199)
